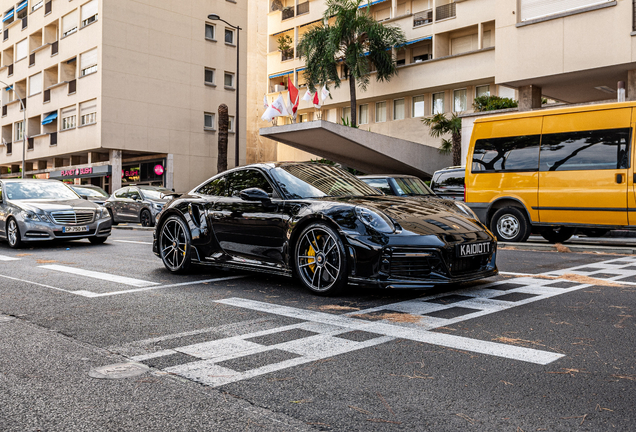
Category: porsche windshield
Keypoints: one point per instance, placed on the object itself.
(319, 180)
(38, 190)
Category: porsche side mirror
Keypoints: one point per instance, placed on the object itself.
(254, 194)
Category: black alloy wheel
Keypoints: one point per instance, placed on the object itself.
(112, 218)
(557, 234)
(509, 224)
(175, 245)
(320, 260)
(97, 240)
(146, 218)
(13, 234)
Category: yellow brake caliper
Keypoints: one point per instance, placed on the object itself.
(312, 253)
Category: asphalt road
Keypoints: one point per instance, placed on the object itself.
(547, 345)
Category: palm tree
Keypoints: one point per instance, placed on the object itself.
(353, 38)
(440, 125)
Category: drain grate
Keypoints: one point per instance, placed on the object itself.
(118, 371)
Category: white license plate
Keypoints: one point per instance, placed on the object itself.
(474, 249)
(74, 229)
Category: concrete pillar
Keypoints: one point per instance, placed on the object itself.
(115, 178)
(631, 85)
(529, 97)
(480, 36)
(296, 45)
(169, 172)
(42, 165)
(393, 8)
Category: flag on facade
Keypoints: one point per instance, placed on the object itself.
(265, 103)
(316, 100)
(324, 93)
(308, 96)
(293, 99)
(276, 109)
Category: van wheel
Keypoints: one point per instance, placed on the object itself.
(509, 224)
(557, 234)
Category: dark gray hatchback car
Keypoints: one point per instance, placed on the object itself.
(137, 204)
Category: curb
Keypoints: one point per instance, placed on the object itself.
(131, 228)
(572, 248)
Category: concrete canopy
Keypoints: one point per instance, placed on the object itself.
(365, 151)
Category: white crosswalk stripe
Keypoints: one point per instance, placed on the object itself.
(7, 258)
(102, 276)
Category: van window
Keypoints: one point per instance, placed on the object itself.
(506, 154)
(450, 179)
(586, 150)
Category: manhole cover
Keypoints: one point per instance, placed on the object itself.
(118, 371)
(4, 318)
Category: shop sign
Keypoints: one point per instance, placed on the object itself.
(159, 170)
(86, 172)
(77, 172)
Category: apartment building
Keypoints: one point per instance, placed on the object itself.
(118, 92)
(459, 50)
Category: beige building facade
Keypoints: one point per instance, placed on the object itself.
(571, 51)
(119, 91)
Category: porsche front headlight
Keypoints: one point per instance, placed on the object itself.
(376, 220)
(467, 211)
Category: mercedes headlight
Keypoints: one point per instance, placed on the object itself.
(30, 216)
(467, 211)
(103, 213)
(376, 220)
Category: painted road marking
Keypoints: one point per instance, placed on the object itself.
(204, 281)
(102, 276)
(135, 242)
(7, 258)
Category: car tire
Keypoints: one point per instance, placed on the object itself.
(97, 240)
(557, 234)
(320, 260)
(175, 245)
(112, 218)
(509, 224)
(146, 218)
(13, 234)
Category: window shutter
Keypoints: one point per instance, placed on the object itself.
(89, 9)
(533, 9)
(35, 84)
(68, 111)
(21, 50)
(88, 59)
(69, 22)
(88, 107)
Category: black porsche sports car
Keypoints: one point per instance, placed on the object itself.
(326, 227)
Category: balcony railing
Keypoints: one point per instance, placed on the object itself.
(287, 13)
(286, 55)
(303, 8)
(445, 11)
(424, 17)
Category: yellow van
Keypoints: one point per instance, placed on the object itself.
(554, 171)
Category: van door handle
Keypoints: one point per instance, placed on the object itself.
(619, 178)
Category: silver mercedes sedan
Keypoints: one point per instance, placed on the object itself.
(36, 210)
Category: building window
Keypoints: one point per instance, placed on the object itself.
(69, 23)
(364, 114)
(398, 109)
(230, 123)
(35, 84)
(19, 131)
(229, 80)
(68, 118)
(37, 5)
(346, 115)
(438, 103)
(88, 62)
(209, 76)
(460, 101)
(210, 31)
(418, 106)
(380, 112)
(209, 121)
(89, 13)
(482, 91)
(21, 50)
(229, 36)
(88, 112)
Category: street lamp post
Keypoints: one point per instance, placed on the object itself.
(23, 126)
(215, 17)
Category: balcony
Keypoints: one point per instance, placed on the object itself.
(422, 18)
(445, 11)
(288, 12)
(302, 8)
(286, 55)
